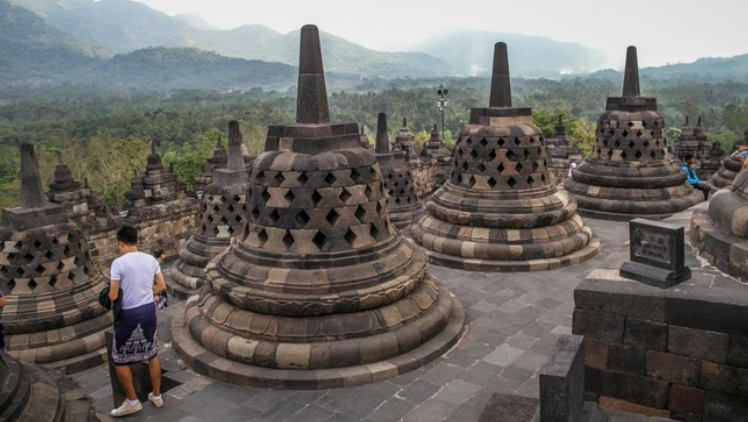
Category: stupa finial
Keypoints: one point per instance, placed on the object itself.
(235, 155)
(32, 193)
(311, 99)
(501, 92)
(383, 141)
(631, 75)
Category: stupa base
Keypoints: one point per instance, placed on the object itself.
(206, 363)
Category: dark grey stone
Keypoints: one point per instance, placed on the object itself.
(562, 382)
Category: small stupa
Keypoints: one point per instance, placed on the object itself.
(560, 148)
(403, 204)
(694, 141)
(405, 141)
(500, 210)
(434, 147)
(730, 166)
(320, 291)
(74, 197)
(156, 186)
(52, 315)
(222, 217)
(630, 174)
(217, 160)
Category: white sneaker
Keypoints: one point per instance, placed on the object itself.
(156, 402)
(126, 409)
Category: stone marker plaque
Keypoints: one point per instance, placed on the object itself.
(657, 254)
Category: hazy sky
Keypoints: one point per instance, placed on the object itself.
(664, 31)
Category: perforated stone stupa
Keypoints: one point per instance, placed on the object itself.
(500, 211)
(629, 173)
(694, 141)
(222, 217)
(729, 168)
(403, 204)
(320, 291)
(51, 315)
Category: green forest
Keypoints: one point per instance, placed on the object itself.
(104, 137)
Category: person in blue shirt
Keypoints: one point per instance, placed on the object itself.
(688, 161)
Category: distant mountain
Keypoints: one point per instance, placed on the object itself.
(707, 69)
(472, 52)
(32, 52)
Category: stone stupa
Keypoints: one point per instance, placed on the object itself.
(694, 141)
(217, 160)
(320, 291)
(222, 217)
(560, 148)
(157, 186)
(403, 204)
(629, 174)
(406, 142)
(730, 166)
(74, 197)
(52, 315)
(500, 210)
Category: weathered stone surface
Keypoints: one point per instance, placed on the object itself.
(562, 153)
(694, 141)
(51, 315)
(630, 174)
(319, 290)
(500, 210)
(729, 168)
(156, 186)
(30, 393)
(562, 382)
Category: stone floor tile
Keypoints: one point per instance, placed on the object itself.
(503, 355)
(457, 392)
(430, 411)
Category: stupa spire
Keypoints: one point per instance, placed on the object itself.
(383, 142)
(501, 92)
(631, 75)
(311, 100)
(235, 156)
(32, 193)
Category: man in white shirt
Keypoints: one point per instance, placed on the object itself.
(135, 332)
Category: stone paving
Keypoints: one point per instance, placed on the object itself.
(514, 320)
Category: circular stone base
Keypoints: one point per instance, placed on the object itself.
(206, 363)
(179, 291)
(593, 248)
(612, 216)
(726, 252)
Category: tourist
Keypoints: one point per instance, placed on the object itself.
(572, 166)
(162, 300)
(135, 340)
(693, 179)
(2, 328)
(741, 154)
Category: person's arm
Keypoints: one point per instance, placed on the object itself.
(114, 290)
(159, 284)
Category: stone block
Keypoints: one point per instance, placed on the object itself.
(562, 382)
(720, 309)
(634, 388)
(724, 379)
(737, 353)
(626, 358)
(649, 334)
(684, 400)
(700, 344)
(724, 408)
(673, 368)
(598, 326)
(621, 297)
(610, 403)
(596, 353)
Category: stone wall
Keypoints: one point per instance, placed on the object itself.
(680, 352)
(165, 225)
(430, 173)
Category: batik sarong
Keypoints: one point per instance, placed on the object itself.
(135, 335)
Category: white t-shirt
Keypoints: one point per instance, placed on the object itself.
(135, 272)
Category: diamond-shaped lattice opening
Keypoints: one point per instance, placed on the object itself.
(11, 285)
(511, 156)
(379, 208)
(265, 195)
(237, 218)
(390, 176)
(535, 166)
(491, 155)
(260, 176)
(511, 182)
(639, 134)
(623, 154)
(27, 257)
(616, 144)
(350, 237)
(330, 179)
(460, 152)
(632, 144)
(491, 182)
(262, 236)
(356, 176)
(274, 216)
(519, 167)
(216, 208)
(302, 178)
(530, 180)
(500, 168)
(501, 142)
(320, 240)
(625, 133)
(360, 213)
(316, 197)
(473, 154)
(52, 281)
(481, 167)
(279, 178)
(230, 208)
(653, 154)
(345, 195)
(37, 244)
(49, 255)
(368, 191)
(469, 141)
(302, 218)
(230, 230)
(517, 141)
(288, 240)
(224, 221)
(471, 181)
(39, 269)
(465, 166)
(610, 153)
(374, 232)
(646, 144)
(459, 179)
(483, 142)
(638, 154)
(215, 231)
(612, 132)
(332, 217)
(656, 123)
(289, 197)
(32, 284)
(526, 153)
(630, 124)
(255, 213)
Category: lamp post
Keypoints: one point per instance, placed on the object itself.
(442, 92)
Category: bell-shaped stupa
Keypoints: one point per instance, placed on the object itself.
(222, 217)
(217, 160)
(320, 291)
(406, 142)
(403, 204)
(730, 167)
(500, 210)
(629, 174)
(52, 315)
(74, 197)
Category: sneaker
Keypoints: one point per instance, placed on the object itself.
(126, 409)
(156, 402)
